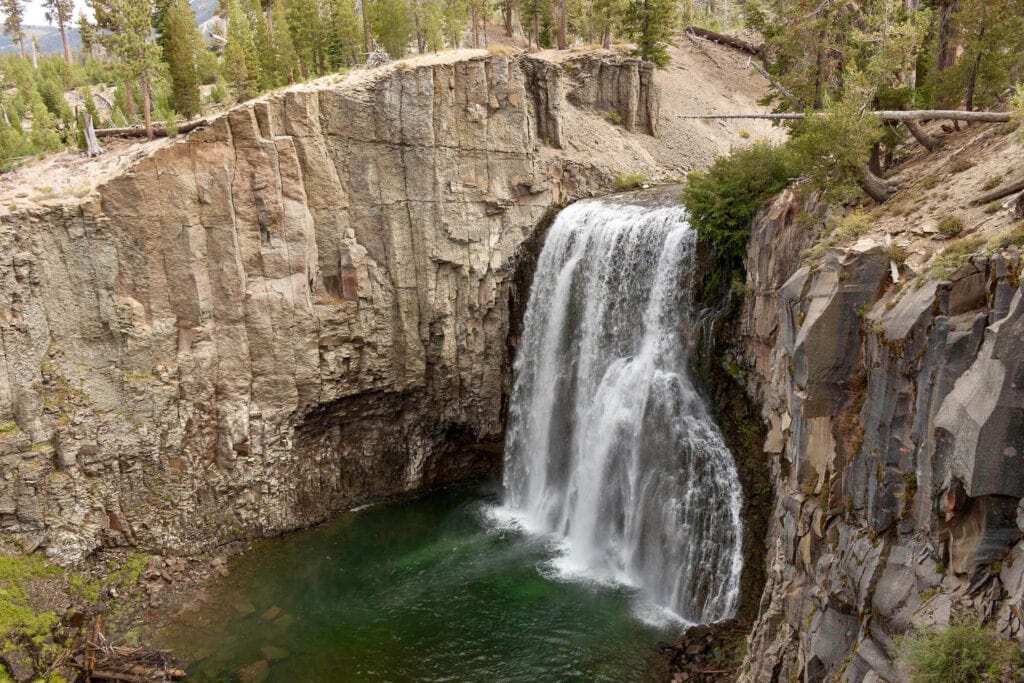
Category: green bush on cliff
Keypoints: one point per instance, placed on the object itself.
(722, 202)
(960, 654)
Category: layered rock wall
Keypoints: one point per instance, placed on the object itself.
(896, 424)
(302, 306)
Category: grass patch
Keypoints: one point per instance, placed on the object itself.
(630, 181)
(960, 163)
(992, 183)
(994, 207)
(8, 427)
(1014, 235)
(951, 226)
(16, 616)
(954, 256)
(960, 654)
(502, 50)
(612, 117)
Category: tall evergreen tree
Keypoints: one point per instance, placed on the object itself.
(182, 43)
(241, 65)
(60, 11)
(14, 16)
(344, 33)
(309, 35)
(650, 23)
(128, 35)
(285, 59)
(392, 25)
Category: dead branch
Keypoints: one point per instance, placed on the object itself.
(914, 115)
(731, 41)
(999, 193)
(92, 145)
(922, 136)
(159, 130)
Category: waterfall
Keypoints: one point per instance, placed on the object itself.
(610, 450)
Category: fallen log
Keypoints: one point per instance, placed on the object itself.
(159, 130)
(922, 136)
(919, 115)
(999, 193)
(731, 41)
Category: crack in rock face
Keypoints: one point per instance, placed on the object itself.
(300, 307)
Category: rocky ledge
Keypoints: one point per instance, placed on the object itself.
(302, 306)
(895, 412)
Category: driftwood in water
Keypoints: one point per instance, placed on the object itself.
(914, 115)
(999, 193)
(731, 41)
(159, 130)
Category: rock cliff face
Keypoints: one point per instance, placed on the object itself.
(895, 415)
(302, 306)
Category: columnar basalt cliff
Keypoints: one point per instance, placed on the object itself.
(896, 420)
(302, 306)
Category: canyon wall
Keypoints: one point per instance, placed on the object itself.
(302, 306)
(896, 439)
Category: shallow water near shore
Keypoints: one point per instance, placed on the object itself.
(422, 590)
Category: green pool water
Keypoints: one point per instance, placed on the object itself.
(423, 590)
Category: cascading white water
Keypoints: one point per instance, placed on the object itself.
(610, 449)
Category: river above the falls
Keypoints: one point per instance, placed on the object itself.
(420, 590)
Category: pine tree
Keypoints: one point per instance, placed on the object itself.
(285, 59)
(309, 35)
(60, 11)
(182, 42)
(453, 21)
(991, 35)
(87, 33)
(534, 13)
(344, 33)
(14, 16)
(392, 25)
(241, 66)
(127, 32)
(650, 24)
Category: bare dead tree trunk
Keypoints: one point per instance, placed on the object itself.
(875, 187)
(875, 162)
(64, 39)
(724, 39)
(506, 10)
(563, 40)
(92, 144)
(21, 44)
(922, 136)
(947, 48)
(606, 37)
(147, 107)
(973, 82)
(129, 92)
(999, 193)
(367, 42)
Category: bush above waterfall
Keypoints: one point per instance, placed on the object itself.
(722, 201)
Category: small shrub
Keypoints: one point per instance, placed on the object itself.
(897, 254)
(960, 654)
(930, 182)
(992, 183)
(744, 134)
(722, 202)
(853, 225)
(994, 207)
(960, 163)
(951, 226)
(954, 256)
(630, 181)
(8, 427)
(1012, 236)
(612, 117)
